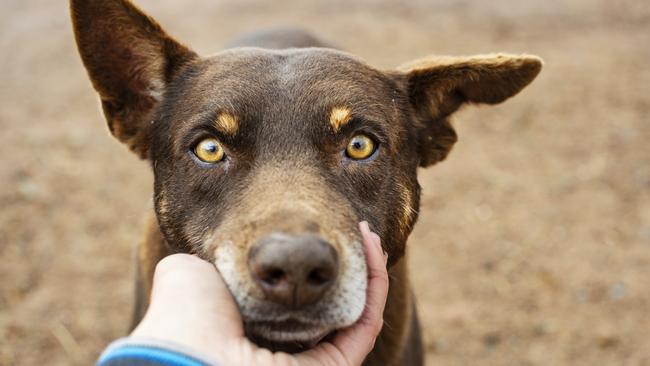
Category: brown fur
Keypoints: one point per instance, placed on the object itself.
(284, 118)
(129, 80)
(441, 84)
(151, 249)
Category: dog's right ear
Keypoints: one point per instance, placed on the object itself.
(439, 85)
(130, 60)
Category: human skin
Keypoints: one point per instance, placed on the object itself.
(192, 307)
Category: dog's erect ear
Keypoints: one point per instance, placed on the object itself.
(129, 59)
(438, 86)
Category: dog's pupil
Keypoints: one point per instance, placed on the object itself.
(358, 145)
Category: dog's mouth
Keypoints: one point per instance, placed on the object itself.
(284, 327)
(289, 336)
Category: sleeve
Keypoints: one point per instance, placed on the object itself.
(150, 352)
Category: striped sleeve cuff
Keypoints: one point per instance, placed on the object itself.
(150, 352)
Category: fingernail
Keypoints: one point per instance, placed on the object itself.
(385, 258)
(363, 225)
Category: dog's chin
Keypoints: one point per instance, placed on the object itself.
(289, 336)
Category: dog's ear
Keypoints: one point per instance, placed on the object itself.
(129, 59)
(438, 86)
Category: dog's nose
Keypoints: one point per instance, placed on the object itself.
(293, 270)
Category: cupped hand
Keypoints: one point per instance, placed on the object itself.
(192, 307)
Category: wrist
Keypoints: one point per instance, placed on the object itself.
(151, 351)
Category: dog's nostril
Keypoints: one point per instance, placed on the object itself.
(319, 276)
(273, 276)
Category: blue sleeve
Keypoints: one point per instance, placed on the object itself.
(138, 352)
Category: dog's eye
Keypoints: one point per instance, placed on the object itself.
(209, 150)
(360, 147)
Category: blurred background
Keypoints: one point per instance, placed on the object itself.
(533, 246)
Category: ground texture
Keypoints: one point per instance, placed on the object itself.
(533, 246)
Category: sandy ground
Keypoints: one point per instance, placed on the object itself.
(533, 246)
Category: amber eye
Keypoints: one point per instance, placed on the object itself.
(360, 147)
(209, 150)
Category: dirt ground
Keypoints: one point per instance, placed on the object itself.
(533, 246)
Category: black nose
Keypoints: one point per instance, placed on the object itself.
(293, 270)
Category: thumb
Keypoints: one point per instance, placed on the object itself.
(351, 346)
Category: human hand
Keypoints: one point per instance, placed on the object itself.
(192, 307)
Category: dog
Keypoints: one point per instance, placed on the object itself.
(267, 155)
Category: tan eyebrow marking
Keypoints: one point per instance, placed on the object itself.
(227, 122)
(339, 116)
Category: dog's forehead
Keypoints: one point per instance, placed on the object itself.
(298, 80)
(290, 66)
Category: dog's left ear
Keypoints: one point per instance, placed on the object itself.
(130, 60)
(438, 86)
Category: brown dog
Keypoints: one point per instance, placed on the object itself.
(265, 157)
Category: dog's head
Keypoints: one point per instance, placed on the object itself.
(265, 161)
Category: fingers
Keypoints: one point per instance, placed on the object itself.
(353, 344)
(377, 278)
(187, 300)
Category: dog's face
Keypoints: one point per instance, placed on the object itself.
(297, 150)
(255, 151)
(265, 161)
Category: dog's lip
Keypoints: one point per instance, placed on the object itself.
(286, 325)
(289, 330)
